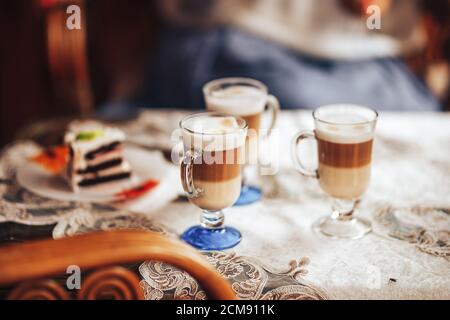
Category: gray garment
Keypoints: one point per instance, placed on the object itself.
(188, 58)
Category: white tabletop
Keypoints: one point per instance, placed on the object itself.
(411, 167)
(408, 254)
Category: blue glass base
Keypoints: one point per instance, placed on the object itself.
(212, 239)
(249, 195)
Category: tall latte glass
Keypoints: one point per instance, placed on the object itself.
(214, 150)
(248, 99)
(344, 135)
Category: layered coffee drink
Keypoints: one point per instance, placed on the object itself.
(246, 102)
(213, 171)
(245, 98)
(344, 135)
(345, 155)
(214, 149)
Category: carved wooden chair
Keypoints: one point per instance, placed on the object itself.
(30, 271)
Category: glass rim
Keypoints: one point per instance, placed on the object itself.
(366, 122)
(213, 114)
(207, 88)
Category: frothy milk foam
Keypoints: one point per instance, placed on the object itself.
(213, 134)
(344, 128)
(237, 100)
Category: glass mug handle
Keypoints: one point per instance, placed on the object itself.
(187, 174)
(296, 157)
(273, 105)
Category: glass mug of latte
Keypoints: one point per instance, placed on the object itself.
(214, 151)
(248, 99)
(344, 135)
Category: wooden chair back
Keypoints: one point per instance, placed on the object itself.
(27, 269)
(68, 55)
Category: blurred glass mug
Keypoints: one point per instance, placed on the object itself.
(248, 99)
(344, 134)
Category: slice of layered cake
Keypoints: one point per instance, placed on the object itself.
(95, 155)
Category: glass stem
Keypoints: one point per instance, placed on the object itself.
(212, 219)
(343, 209)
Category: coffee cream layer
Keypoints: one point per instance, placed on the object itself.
(217, 195)
(245, 102)
(345, 154)
(217, 169)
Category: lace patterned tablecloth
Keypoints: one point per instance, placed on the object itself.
(407, 256)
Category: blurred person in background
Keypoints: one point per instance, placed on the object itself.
(308, 52)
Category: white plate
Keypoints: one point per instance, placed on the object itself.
(145, 165)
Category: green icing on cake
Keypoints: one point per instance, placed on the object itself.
(89, 135)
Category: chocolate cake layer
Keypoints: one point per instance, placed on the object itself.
(104, 149)
(102, 166)
(105, 179)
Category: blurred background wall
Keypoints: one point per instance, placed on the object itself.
(47, 71)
